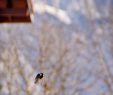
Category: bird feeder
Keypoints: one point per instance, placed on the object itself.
(15, 10)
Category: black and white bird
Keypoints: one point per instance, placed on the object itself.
(38, 77)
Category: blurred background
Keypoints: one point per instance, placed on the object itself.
(70, 41)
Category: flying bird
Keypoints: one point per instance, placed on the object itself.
(38, 77)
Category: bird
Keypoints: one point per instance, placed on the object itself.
(38, 77)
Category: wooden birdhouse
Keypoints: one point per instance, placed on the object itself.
(15, 10)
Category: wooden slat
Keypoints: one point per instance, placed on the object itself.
(4, 18)
(21, 19)
(13, 12)
(15, 19)
(19, 4)
(3, 4)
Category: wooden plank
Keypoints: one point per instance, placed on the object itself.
(4, 18)
(19, 4)
(14, 19)
(13, 12)
(21, 19)
(13, 4)
(3, 4)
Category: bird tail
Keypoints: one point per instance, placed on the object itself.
(36, 81)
